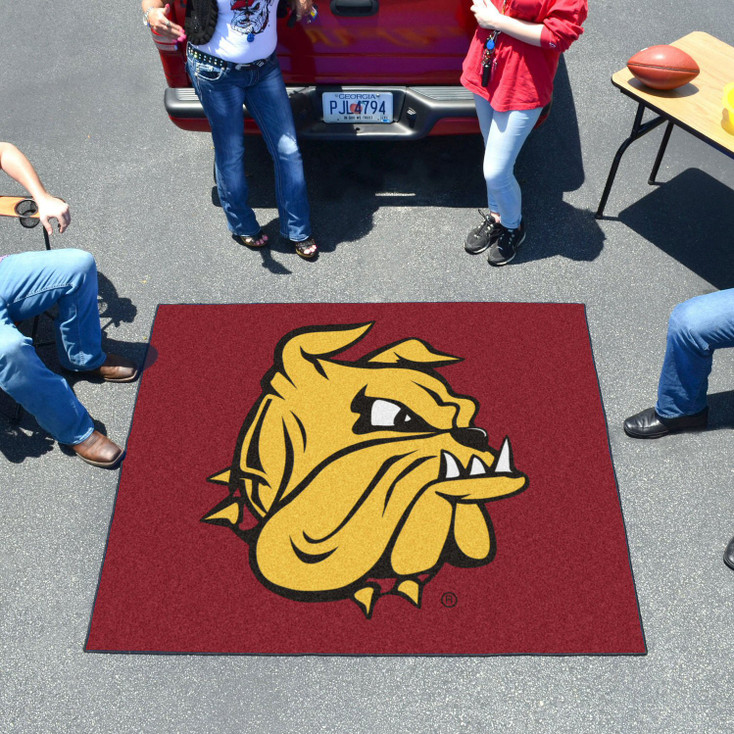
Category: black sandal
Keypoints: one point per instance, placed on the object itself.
(252, 240)
(303, 247)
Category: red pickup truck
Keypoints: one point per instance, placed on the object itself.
(373, 69)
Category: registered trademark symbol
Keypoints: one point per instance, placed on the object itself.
(449, 599)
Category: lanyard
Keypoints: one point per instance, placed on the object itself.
(488, 53)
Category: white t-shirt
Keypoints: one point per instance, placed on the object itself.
(245, 31)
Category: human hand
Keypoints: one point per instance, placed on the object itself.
(160, 23)
(486, 14)
(49, 207)
(301, 8)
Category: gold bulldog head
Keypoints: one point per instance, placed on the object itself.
(361, 471)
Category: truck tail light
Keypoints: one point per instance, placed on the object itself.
(172, 59)
(164, 45)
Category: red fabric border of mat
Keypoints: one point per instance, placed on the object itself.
(561, 582)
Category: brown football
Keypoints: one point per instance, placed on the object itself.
(663, 67)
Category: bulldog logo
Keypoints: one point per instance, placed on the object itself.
(365, 477)
(249, 16)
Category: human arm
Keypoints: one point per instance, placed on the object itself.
(489, 17)
(19, 168)
(561, 23)
(159, 19)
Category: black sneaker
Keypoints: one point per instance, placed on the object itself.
(505, 247)
(481, 237)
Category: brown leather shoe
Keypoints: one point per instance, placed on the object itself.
(115, 369)
(98, 450)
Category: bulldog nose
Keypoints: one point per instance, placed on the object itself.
(473, 438)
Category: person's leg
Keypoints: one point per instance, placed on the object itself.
(505, 137)
(483, 235)
(222, 100)
(44, 394)
(697, 328)
(268, 103)
(33, 282)
(484, 115)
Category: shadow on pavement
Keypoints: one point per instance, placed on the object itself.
(349, 181)
(690, 218)
(721, 410)
(23, 441)
(111, 306)
(550, 164)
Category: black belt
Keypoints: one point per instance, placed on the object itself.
(216, 61)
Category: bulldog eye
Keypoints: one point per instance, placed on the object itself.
(379, 414)
(394, 416)
(387, 414)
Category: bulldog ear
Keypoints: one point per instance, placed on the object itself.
(297, 354)
(413, 351)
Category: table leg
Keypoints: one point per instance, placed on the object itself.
(661, 153)
(638, 130)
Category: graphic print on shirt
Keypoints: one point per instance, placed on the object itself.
(250, 16)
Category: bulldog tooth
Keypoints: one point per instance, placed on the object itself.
(451, 466)
(477, 467)
(504, 461)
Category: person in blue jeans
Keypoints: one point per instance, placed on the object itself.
(697, 328)
(33, 282)
(510, 67)
(231, 61)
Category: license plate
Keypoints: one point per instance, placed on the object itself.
(357, 106)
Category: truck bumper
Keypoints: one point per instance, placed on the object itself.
(417, 112)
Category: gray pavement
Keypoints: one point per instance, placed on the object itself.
(81, 93)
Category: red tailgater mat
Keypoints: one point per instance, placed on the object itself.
(368, 479)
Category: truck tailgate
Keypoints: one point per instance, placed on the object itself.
(378, 42)
(371, 69)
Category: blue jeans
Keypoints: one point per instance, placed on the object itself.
(504, 134)
(697, 328)
(31, 283)
(222, 93)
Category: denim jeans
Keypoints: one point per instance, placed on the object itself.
(30, 283)
(222, 92)
(697, 328)
(504, 134)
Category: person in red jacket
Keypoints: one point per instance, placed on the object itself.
(510, 66)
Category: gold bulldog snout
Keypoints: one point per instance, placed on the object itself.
(364, 475)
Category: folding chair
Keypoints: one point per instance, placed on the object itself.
(25, 210)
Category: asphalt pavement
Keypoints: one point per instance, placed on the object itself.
(81, 93)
